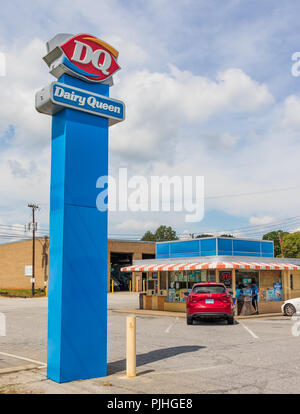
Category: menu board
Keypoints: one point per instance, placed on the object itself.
(171, 295)
(270, 295)
(179, 276)
(277, 291)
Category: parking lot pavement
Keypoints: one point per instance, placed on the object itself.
(252, 356)
(122, 300)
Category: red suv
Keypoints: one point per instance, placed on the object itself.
(209, 300)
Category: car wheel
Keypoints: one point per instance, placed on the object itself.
(189, 320)
(289, 309)
(230, 320)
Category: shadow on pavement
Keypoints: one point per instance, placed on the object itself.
(152, 356)
(212, 322)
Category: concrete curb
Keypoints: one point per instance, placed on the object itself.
(144, 312)
(151, 312)
(260, 315)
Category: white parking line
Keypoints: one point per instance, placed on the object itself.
(42, 364)
(172, 324)
(249, 330)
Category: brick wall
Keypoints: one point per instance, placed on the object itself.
(15, 256)
(295, 292)
(13, 259)
(268, 277)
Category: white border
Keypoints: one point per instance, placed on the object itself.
(83, 109)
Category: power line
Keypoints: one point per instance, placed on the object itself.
(291, 221)
(277, 190)
(15, 231)
(20, 227)
(269, 228)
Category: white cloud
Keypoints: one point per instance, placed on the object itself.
(178, 121)
(135, 225)
(24, 135)
(132, 55)
(291, 111)
(160, 105)
(260, 220)
(25, 75)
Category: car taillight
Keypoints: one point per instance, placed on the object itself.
(193, 298)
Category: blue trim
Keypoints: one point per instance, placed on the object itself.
(218, 246)
(76, 69)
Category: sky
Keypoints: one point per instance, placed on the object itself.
(209, 91)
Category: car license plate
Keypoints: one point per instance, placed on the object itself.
(209, 300)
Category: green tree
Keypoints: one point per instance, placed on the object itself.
(291, 244)
(162, 233)
(273, 235)
(148, 236)
(227, 235)
(203, 235)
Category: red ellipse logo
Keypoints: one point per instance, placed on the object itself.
(90, 58)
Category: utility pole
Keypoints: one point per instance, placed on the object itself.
(33, 226)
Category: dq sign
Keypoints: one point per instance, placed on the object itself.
(87, 58)
(83, 56)
(82, 112)
(90, 58)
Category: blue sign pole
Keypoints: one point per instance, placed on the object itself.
(81, 115)
(77, 322)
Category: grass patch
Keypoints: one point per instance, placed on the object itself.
(21, 293)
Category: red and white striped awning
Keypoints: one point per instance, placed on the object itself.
(210, 265)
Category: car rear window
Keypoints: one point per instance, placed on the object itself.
(209, 289)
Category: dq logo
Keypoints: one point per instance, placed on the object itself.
(90, 58)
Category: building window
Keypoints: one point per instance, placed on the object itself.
(211, 276)
(291, 282)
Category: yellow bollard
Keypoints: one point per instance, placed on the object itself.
(136, 285)
(131, 346)
(144, 287)
(129, 285)
(112, 286)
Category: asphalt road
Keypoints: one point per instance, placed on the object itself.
(252, 356)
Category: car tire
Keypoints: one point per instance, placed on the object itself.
(189, 320)
(230, 320)
(289, 309)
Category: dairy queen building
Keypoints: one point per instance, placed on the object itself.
(236, 262)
